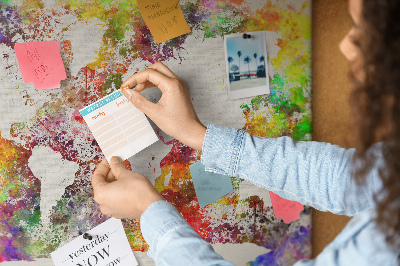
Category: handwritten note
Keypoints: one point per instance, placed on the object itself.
(41, 64)
(164, 18)
(284, 209)
(118, 126)
(108, 246)
(209, 186)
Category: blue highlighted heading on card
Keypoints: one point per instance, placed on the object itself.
(209, 186)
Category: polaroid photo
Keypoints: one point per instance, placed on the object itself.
(246, 64)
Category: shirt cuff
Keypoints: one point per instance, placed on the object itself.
(221, 151)
(156, 221)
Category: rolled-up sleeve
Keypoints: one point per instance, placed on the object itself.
(172, 241)
(313, 173)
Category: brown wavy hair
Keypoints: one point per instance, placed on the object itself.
(376, 107)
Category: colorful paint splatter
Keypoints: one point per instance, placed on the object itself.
(102, 43)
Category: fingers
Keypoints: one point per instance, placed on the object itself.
(142, 86)
(160, 67)
(157, 75)
(159, 80)
(140, 102)
(110, 177)
(151, 78)
(100, 174)
(117, 167)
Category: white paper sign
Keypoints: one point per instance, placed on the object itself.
(108, 247)
(118, 126)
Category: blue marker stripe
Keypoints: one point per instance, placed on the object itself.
(101, 103)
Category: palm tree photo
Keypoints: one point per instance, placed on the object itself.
(247, 60)
(230, 60)
(239, 54)
(262, 59)
(253, 79)
(255, 59)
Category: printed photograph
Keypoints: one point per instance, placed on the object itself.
(246, 66)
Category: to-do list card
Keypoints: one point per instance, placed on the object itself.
(118, 126)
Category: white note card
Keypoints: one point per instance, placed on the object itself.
(118, 126)
(108, 247)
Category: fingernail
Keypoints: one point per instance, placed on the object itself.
(127, 93)
(115, 160)
(124, 88)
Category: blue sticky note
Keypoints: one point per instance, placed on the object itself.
(209, 186)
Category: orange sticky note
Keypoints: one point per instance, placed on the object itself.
(284, 209)
(41, 64)
(164, 18)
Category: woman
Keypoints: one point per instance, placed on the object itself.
(317, 174)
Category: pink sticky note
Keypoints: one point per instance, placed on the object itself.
(287, 210)
(41, 64)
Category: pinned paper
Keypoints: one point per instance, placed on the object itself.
(41, 64)
(284, 209)
(164, 18)
(118, 126)
(108, 246)
(209, 186)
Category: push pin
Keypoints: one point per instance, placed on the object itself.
(246, 36)
(87, 236)
(124, 88)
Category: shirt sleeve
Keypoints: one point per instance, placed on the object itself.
(312, 173)
(172, 241)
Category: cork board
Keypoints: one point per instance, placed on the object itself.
(47, 152)
(330, 97)
(331, 89)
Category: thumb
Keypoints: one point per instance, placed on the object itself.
(117, 168)
(99, 175)
(138, 100)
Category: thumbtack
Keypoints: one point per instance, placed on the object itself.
(124, 88)
(87, 236)
(246, 36)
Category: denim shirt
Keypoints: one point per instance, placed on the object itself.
(312, 173)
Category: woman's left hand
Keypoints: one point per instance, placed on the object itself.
(120, 192)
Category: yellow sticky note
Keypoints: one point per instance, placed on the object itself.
(164, 18)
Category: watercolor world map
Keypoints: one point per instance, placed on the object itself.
(48, 154)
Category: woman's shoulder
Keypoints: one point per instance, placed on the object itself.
(362, 241)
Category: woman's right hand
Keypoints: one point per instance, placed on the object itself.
(174, 112)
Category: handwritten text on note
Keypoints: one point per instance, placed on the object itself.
(209, 186)
(41, 64)
(164, 18)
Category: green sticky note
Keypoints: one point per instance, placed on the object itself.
(209, 186)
